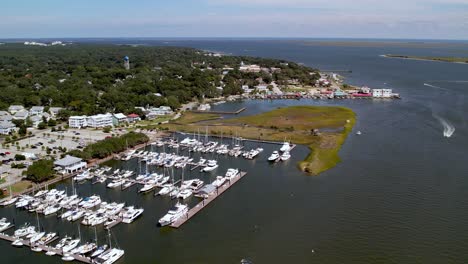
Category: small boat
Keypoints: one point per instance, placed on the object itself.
(116, 183)
(220, 180)
(358, 133)
(184, 194)
(4, 225)
(99, 251)
(24, 231)
(286, 147)
(17, 243)
(41, 193)
(179, 210)
(110, 256)
(70, 245)
(131, 214)
(211, 165)
(285, 156)
(167, 188)
(36, 249)
(68, 257)
(274, 156)
(47, 238)
(9, 201)
(231, 173)
(36, 237)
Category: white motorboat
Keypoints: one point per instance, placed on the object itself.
(99, 251)
(70, 245)
(211, 165)
(286, 147)
(184, 194)
(63, 242)
(88, 219)
(41, 193)
(193, 184)
(84, 249)
(220, 180)
(68, 257)
(150, 185)
(173, 194)
(47, 238)
(99, 219)
(67, 214)
(17, 243)
(4, 225)
(285, 156)
(359, 133)
(24, 231)
(36, 248)
(36, 237)
(179, 210)
(52, 209)
(65, 201)
(77, 214)
(110, 256)
(231, 173)
(9, 201)
(90, 202)
(167, 188)
(114, 208)
(116, 183)
(274, 156)
(162, 181)
(131, 214)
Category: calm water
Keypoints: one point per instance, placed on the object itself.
(398, 196)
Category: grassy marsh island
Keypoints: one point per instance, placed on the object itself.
(297, 124)
(428, 58)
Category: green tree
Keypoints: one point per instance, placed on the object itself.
(40, 170)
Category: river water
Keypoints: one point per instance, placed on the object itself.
(398, 196)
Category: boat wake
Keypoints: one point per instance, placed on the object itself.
(433, 86)
(449, 129)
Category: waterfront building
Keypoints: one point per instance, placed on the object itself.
(7, 127)
(119, 118)
(101, 120)
(77, 121)
(133, 118)
(204, 107)
(70, 164)
(382, 93)
(249, 68)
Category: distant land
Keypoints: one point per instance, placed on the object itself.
(428, 58)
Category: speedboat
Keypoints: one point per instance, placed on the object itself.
(286, 147)
(210, 166)
(115, 183)
(52, 209)
(4, 225)
(184, 194)
(131, 214)
(36, 237)
(70, 245)
(167, 188)
(99, 251)
(173, 214)
(231, 173)
(110, 256)
(24, 231)
(274, 156)
(220, 180)
(285, 156)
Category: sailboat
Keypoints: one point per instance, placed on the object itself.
(111, 255)
(99, 249)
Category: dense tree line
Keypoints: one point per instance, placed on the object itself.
(91, 79)
(40, 170)
(108, 146)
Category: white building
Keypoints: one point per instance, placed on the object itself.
(54, 111)
(78, 121)
(119, 118)
(13, 109)
(21, 115)
(250, 68)
(101, 120)
(382, 93)
(70, 164)
(36, 110)
(7, 127)
(204, 107)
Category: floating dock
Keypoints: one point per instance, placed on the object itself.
(220, 112)
(203, 203)
(46, 248)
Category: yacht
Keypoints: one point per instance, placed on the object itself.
(99, 219)
(114, 208)
(231, 173)
(110, 256)
(84, 249)
(167, 188)
(99, 251)
(210, 166)
(52, 209)
(220, 180)
(286, 147)
(65, 201)
(90, 202)
(70, 245)
(150, 185)
(9, 201)
(77, 214)
(274, 156)
(4, 225)
(24, 231)
(36, 237)
(131, 214)
(184, 194)
(47, 238)
(285, 156)
(115, 183)
(64, 241)
(173, 214)
(194, 184)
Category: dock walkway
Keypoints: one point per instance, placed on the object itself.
(46, 248)
(203, 203)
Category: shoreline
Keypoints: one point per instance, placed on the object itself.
(403, 57)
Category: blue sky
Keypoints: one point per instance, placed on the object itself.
(414, 19)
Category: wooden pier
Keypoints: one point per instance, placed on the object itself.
(203, 203)
(220, 112)
(46, 248)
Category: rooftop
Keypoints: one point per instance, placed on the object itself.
(67, 161)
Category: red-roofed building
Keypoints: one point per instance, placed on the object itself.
(133, 118)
